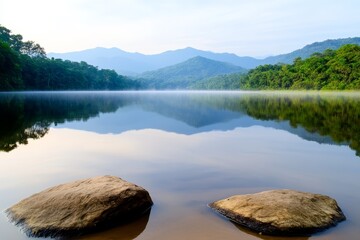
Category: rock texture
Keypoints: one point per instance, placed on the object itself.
(281, 212)
(79, 207)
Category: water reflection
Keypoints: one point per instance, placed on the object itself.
(267, 237)
(29, 115)
(324, 118)
(126, 231)
(184, 173)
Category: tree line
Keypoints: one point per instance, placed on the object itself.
(24, 66)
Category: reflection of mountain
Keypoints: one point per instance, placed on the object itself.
(321, 118)
(132, 118)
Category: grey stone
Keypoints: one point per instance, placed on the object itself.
(281, 212)
(79, 207)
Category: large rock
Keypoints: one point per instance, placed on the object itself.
(281, 212)
(79, 207)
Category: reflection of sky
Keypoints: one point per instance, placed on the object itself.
(185, 172)
(135, 117)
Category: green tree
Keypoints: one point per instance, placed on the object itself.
(17, 44)
(10, 74)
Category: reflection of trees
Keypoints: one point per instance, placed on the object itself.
(29, 116)
(22, 135)
(327, 114)
(334, 116)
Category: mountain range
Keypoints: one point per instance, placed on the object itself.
(127, 63)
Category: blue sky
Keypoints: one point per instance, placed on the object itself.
(254, 28)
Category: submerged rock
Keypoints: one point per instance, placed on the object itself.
(79, 207)
(281, 212)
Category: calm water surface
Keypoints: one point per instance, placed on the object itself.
(187, 150)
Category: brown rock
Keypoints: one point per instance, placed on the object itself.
(281, 212)
(79, 207)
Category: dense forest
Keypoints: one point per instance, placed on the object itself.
(24, 66)
(331, 70)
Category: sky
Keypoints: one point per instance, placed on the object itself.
(255, 28)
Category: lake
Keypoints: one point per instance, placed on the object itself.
(187, 149)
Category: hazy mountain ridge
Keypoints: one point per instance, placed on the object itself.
(309, 49)
(135, 63)
(182, 75)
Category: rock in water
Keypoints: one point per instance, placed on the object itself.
(79, 207)
(281, 212)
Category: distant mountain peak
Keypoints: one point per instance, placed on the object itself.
(200, 58)
(182, 75)
(191, 48)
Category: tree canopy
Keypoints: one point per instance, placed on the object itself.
(330, 70)
(24, 66)
(16, 43)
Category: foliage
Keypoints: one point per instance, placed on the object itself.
(24, 66)
(17, 44)
(10, 71)
(56, 74)
(332, 69)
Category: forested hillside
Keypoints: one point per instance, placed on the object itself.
(24, 66)
(330, 70)
(220, 82)
(185, 74)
